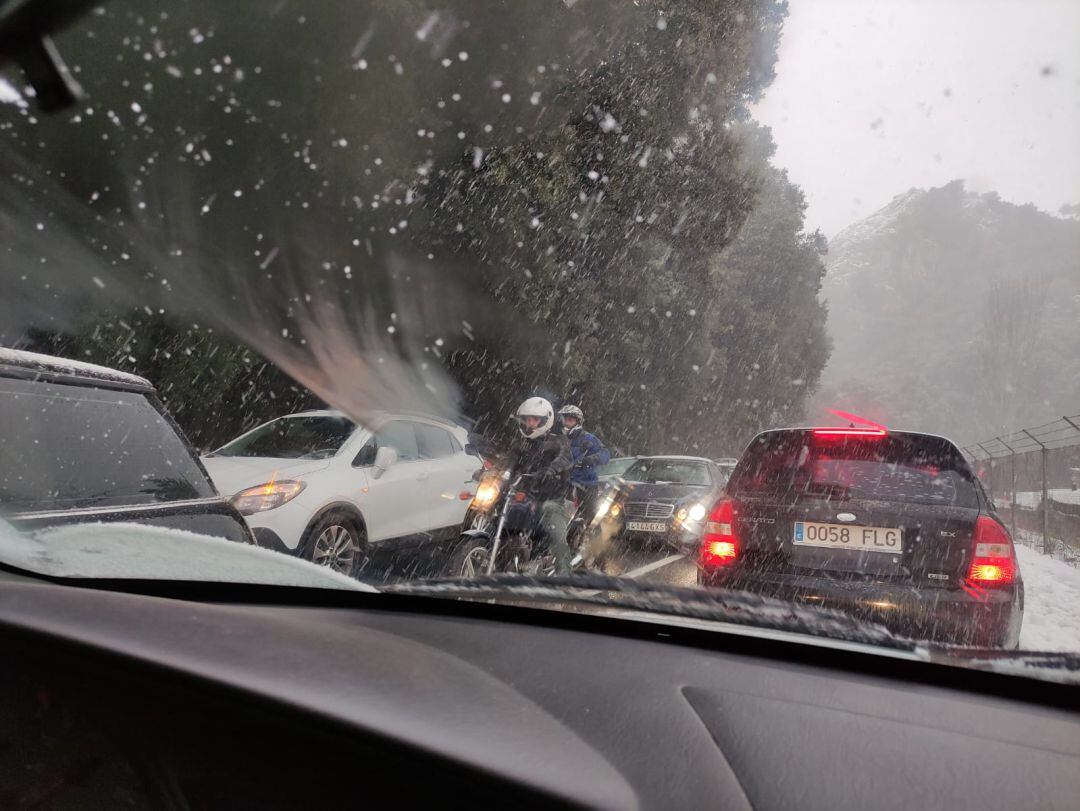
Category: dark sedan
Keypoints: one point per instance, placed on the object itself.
(664, 500)
(892, 526)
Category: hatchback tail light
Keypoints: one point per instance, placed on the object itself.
(994, 561)
(719, 546)
(847, 433)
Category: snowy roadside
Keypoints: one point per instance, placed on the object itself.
(1051, 602)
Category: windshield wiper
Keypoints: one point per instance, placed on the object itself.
(1059, 666)
(717, 605)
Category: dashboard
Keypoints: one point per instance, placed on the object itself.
(211, 696)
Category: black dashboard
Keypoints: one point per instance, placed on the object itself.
(227, 696)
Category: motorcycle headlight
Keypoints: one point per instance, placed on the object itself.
(486, 494)
(266, 496)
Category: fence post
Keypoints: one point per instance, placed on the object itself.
(1012, 486)
(1045, 497)
(990, 475)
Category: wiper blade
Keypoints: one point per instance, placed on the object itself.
(830, 491)
(1059, 666)
(717, 605)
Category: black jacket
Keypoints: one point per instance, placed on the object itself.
(548, 459)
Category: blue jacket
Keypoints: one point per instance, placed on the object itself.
(588, 453)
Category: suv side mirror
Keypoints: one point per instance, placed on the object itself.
(384, 458)
(471, 449)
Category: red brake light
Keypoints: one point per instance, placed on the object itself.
(994, 561)
(842, 432)
(719, 546)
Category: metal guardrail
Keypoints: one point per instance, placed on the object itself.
(1055, 436)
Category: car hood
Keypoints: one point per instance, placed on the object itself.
(638, 491)
(231, 474)
(127, 551)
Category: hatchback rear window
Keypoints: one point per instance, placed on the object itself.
(64, 447)
(910, 468)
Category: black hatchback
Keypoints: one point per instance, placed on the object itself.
(891, 526)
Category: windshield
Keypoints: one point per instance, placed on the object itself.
(616, 467)
(293, 438)
(668, 471)
(713, 297)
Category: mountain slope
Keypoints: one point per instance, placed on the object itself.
(954, 312)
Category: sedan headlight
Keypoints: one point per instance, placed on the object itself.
(486, 494)
(608, 507)
(266, 496)
(690, 515)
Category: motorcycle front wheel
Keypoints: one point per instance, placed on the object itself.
(470, 558)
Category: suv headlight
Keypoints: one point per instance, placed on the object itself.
(267, 496)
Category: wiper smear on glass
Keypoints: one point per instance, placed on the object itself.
(718, 605)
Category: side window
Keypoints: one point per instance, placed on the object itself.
(366, 457)
(433, 443)
(401, 437)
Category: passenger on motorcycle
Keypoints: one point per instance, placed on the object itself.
(587, 450)
(544, 456)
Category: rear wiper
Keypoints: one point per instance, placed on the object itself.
(718, 605)
(830, 491)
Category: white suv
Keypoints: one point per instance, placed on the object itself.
(317, 485)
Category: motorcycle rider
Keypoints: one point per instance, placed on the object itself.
(588, 453)
(544, 454)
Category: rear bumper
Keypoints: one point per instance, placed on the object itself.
(982, 618)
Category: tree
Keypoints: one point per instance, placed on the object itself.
(371, 206)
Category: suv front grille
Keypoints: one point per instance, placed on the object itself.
(649, 509)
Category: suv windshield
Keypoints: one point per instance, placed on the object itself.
(54, 433)
(668, 471)
(293, 438)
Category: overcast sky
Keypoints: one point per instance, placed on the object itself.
(873, 97)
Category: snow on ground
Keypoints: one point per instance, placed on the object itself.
(1031, 499)
(1051, 602)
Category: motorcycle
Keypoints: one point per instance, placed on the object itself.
(503, 531)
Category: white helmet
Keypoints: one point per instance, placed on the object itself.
(536, 407)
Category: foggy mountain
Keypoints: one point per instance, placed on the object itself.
(954, 312)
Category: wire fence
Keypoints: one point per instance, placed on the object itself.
(1033, 475)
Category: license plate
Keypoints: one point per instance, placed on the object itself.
(837, 536)
(646, 526)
